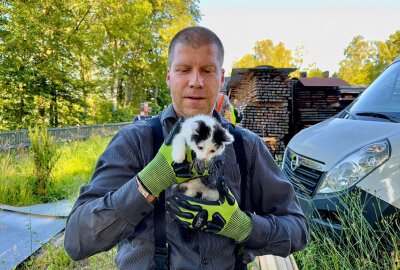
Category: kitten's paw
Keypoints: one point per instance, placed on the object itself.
(178, 156)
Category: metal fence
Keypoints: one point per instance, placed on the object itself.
(20, 138)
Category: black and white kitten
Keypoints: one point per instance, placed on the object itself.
(207, 138)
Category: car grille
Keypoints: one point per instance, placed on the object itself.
(303, 173)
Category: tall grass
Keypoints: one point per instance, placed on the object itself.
(16, 178)
(53, 257)
(73, 169)
(362, 247)
(76, 165)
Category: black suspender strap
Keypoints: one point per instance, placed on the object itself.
(161, 253)
(241, 160)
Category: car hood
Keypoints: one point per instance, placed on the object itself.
(332, 140)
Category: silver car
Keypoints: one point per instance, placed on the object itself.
(359, 149)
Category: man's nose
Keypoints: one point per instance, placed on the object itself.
(196, 80)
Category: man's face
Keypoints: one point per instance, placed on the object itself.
(195, 76)
(146, 108)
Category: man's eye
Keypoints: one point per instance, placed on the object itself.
(183, 70)
(207, 70)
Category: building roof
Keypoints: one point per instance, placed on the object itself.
(324, 82)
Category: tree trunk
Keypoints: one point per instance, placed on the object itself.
(128, 94)
(114, 93)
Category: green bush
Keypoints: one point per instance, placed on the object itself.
(44, 151)
(122, 115)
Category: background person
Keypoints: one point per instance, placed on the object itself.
(144, 112)
(224, 107)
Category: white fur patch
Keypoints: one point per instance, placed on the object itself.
(195, 186)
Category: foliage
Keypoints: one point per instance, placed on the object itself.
(16, 178)
(57, 55)
(313, 71)
(360, 55)
(73, 169)
(44, 152)
(53, 257)
(122, 115)
(50, 258)
(100, 110)
(266, 53)
(362, 247)
(365, 60)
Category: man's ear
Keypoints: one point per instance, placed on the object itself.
(167, 79)
(222, 77)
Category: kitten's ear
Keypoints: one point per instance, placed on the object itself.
(195, 127)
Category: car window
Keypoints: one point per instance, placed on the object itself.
(383, 95)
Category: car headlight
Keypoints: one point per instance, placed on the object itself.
(355, 167)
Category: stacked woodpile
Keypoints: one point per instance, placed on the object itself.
(264, 93)
(316, 106)
(315, 100)
(276, 108)
(349, 93)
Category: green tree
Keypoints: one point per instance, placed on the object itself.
(365, 60)
(359, 60)
(56, 56)
(36, 74)
(266, 53)
(387, 51)
(313, 71)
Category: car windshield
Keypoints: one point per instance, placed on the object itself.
(381, 100)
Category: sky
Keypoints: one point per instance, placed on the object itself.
(325, 28)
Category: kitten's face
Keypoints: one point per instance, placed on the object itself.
(206, 150)
(209, 141)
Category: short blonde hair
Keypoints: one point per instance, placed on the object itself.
(195, 36)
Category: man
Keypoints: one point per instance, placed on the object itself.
(144, 112)
(117, 206)
(223, 106)
(227, 110)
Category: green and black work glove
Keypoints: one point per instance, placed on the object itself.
(163, 172)
(222, 217)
